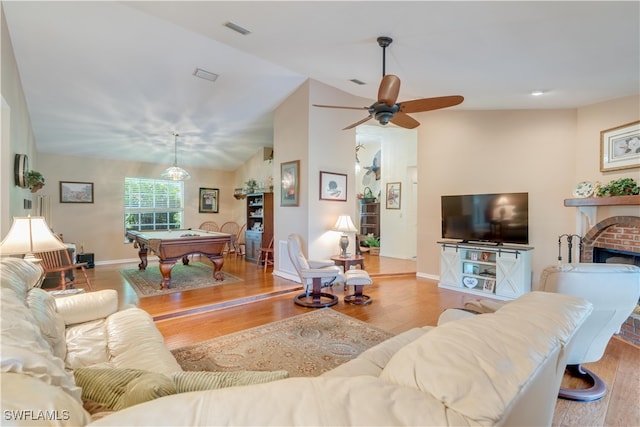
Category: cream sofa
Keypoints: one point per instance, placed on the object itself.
(493, 369)
(45, 338)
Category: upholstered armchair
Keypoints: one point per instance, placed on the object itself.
(314, 275)
(613, 289)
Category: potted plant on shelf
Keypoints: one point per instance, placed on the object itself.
(374, 245)
(251, 186)
(35, 181)
(619, 187)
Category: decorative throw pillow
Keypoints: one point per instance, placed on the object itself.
(187, 381)
(119, 388)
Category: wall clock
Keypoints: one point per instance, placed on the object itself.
(20, 169)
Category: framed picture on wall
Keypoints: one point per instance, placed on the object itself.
(209, 200)
(394, 195)
(76, 192)
(290, 183)
(620, 147)
(333, 186)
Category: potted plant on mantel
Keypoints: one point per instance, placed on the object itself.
(35, 181)
(619, 187)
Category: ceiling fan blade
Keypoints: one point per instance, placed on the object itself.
(358, 122)
(341, 107)
(404, 120)
(429, 104)
(389, 90)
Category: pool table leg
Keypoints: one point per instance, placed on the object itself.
(165, 269)
(142, 253)
(217, 266)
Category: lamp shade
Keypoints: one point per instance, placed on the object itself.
(344, 224)
(29, 234)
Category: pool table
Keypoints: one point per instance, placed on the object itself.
(172, 245)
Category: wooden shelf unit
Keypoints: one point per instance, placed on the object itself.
(259, 224)
(370, 219)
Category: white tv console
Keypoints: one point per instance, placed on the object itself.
(489, 270)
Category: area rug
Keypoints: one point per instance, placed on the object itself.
(196, 275)
(305, 345)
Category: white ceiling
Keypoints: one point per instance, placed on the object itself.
(114, 79)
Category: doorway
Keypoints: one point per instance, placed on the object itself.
(386, 160)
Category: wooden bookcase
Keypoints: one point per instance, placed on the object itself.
(259, 223)
(370, 219)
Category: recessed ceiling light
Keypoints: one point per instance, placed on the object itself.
(538, 92)
(358, 82)
(237, 28)
(204, 74)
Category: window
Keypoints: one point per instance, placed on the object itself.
(153, 204)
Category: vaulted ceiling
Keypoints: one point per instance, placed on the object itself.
(115, 79)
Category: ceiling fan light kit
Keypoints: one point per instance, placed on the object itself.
(175, 172)
(385, 110)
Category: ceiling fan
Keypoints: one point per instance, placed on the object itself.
(386, 109)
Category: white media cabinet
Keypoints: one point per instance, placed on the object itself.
(501, 272)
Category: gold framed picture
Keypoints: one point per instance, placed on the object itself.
(620, 147)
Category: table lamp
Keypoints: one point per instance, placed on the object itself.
(28, 235)
(344, 225)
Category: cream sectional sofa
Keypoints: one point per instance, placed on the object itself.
(45, 338)
(502, 368)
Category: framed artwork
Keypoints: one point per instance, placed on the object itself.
(290, 183)
(620, 147)
(76, 192)
(489, 286)
(394, 195)
(333, 186)
(208, 200)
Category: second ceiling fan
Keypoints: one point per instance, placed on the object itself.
(386, 110)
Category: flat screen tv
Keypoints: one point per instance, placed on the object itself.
(492, 218)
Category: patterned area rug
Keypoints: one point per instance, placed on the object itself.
(196, 275)
(305, 345)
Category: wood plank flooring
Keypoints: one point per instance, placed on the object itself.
(400, 301)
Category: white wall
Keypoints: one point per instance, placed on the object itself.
(398, 226)
(543, 152)
(398, 149)
(592, 120)
(17, 135)
(99, 226)
(465, 152)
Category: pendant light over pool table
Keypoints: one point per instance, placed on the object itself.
(175, 172)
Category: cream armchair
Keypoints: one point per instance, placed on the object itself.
(613, 289)
(314, 275)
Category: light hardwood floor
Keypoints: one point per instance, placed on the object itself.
(400, 301)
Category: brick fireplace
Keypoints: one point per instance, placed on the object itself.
(619, 234)
(616, 239)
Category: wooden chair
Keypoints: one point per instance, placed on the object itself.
(60, 262)
(209, 226)
(241, 244)
(230, 227)
(266, 255)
